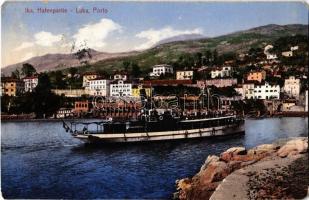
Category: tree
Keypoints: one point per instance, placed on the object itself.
(44, 84)
(186, 61)
(44, 102)
(28, 70)
(207, 57)
(73, 71)
(215, 57)
(126, 64)
(15, 74)
(57, 80)
(135, 70)
(198, 59)
(83, 54)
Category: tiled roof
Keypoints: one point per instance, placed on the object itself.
(9, 79)
(90, 73)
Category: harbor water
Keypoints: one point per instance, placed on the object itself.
(41, 160)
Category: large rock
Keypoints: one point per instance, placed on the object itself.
(234, 165)
(293, 147)
(210, 159)
(262, 151)
(229, 154)
(215, 171)
(264, 148)
(183, 184)
(215, 168)
(236, 150)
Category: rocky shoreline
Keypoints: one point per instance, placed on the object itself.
(269, 171)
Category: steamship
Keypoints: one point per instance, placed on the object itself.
(154, 125)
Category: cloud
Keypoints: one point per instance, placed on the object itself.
(42, 38)
(46, 38)
(94, 35)
(153, 36)
(24, 45)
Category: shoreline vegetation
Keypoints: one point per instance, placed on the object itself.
(268, 171)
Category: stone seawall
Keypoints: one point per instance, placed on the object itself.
(272, 171)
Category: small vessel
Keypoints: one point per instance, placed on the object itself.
(156, 125)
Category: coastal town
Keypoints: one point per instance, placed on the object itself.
(255, 83)
(154, 100)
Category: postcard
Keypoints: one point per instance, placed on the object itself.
(154, 100)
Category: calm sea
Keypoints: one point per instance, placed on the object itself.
(41, 160)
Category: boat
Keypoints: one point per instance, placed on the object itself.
(158, 126)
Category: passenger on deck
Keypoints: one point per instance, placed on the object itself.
(85, 130)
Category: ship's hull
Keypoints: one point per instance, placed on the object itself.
(163, 135)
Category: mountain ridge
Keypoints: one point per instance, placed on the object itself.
(238, 41)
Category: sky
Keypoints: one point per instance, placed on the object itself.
(128, 26)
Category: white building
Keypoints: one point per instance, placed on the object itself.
(64, 113)
(292, 87)
(287, 53)
(294, 48)
(120, 88)
(248, 90)
(30, 83)
(99, 86)
(269, 56)
(120, 76)
(184, 75)
(87, 77)
(240, 90)
(157, 70)
(266, 91)
(267, 48)
(220, 72)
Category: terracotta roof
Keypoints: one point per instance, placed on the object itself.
(90, 73)
(289, 101)
(9, 79)
(99, 78)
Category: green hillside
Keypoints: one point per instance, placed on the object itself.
(237, 42)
